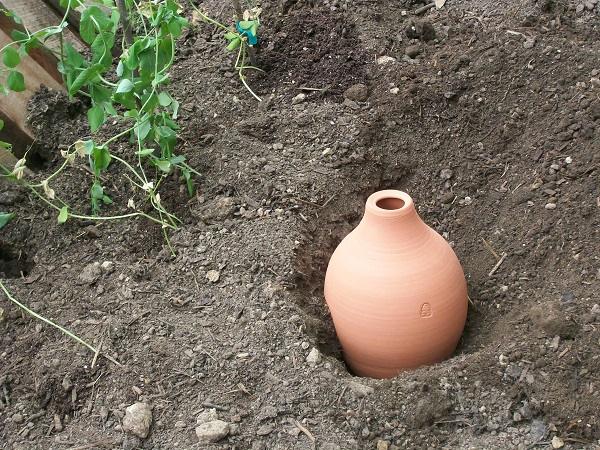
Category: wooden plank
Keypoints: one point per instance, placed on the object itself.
(73, 18)
(36, 15)
(38, 68)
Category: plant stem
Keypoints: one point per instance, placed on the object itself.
(125, 22)
(240, 16)
(49, 322)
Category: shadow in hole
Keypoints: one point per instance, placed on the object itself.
(14, 263)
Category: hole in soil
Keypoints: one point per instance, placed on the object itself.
(14, 262)
(390, 203)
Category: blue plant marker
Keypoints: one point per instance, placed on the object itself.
(248, 28)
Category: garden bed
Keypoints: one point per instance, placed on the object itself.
(492, 127)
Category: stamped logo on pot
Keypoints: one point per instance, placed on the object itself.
(426, 310)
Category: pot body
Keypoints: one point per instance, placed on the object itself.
(396, 290)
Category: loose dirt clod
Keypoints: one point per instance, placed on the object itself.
(138, 418)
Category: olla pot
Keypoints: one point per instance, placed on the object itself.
(396, 290)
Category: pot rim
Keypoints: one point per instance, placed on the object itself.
(374, 203)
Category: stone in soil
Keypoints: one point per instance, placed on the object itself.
(138, 418)
(90, 273)
(412, 51)
(357, 92)
(212, 431)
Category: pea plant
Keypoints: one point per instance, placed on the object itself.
(130, 89)
(242, 38)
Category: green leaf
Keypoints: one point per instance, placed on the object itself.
(84, 77)
(93, 21)
(5, 218)
(235, 43)
(102, 49)
(163, 165)
(177, 159)
(97, 191)
(164, 99)
(95, 117)
(230, 35)
(124, 86)
(100, 159)
(145, 152)
(142, 129)
(10, 57)
(63, 215)
(1, 124)
(107, 200)
(188, 181)
(16, 81)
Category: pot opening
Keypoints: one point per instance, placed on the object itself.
(390, 203)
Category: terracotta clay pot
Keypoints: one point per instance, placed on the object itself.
(396, 290)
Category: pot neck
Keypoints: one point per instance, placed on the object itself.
(391, 220)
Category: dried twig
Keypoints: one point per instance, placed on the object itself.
(305, 431)
(498, 264)
(491, 250)
(423, 9)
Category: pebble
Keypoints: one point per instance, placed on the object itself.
(394, 91)
(108, 267)
(17, 418)
(383, 60)
(568, 160)
(180, 424)
(90, 273)
(138, 418)
(212, 431)
(263, 430)
(529, 43)
(550, 206)
(412, 51)
(557, 442)
(207, 416)
(595, 82)
(357, 92)
(314, 356)
(213, 276)
(360, 390)
(446, 174)
(298, 99)
(278, 146)
(383, 445)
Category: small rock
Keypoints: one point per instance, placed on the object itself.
(412, 51)
(314, 356)
(557, 442)
(263, 430)
(212, 431)
(360, 390)
(447, 198)
(180, 424)
(209, 415)
(357, 92)
(550, 206)
(579, 9)
(138, 418)
(278, 146)
(394, 90)
(383, 60)
(298, 99)
(90, 273)
(58, 426)
(108, 267)
(383, 445)
(568, 160)
(446, 174)
(595, 82)
(17, 418)
(529, 42)
(213, 276)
